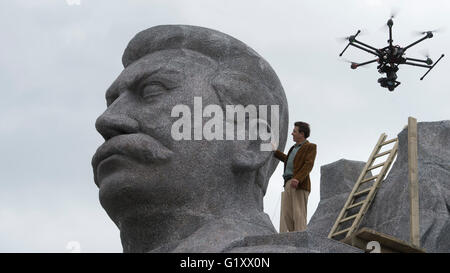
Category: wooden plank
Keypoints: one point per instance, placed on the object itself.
(369, 179)
(355, 205)
(340, 232)
(383, 153)
(413, 182)
(387, 242)
(376, 166)
(348, 218)
(388, 141)
(362, 192)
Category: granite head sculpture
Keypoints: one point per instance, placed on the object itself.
(184, 195)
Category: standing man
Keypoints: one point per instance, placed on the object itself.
(298, 163)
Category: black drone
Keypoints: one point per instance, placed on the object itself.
(390, 57)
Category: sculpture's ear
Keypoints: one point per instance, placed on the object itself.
(252, 153)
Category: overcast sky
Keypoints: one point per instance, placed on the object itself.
(57, 60)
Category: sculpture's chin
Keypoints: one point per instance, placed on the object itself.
(135, 191)
(119, 193)
(123, 184)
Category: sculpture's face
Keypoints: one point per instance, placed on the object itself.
(140, 164)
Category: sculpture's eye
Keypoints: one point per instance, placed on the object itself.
(152, 89)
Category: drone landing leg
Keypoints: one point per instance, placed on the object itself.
(432, 67)
(351, 38)
(344, 50)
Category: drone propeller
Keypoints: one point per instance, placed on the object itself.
(394, 12)
(348, 38)
(420, 33)
(426, 54)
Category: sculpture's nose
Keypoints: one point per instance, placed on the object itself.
(110, 125)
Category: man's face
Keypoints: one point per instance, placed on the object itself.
(140, 164)
(296, 135)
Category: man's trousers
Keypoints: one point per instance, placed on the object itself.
(293, 209)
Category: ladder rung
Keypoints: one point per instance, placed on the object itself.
(385, 153)
(348, 218)
(388, 141)
(355, 205)
(362, 192)
(376, 166)
(340, 232)
(369, 179)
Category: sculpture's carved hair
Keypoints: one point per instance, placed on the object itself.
(242, 76)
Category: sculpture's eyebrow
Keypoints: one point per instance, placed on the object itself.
(167, 73)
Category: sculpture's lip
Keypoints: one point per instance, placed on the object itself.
(105, 157)
(107, 149)
(141, 147)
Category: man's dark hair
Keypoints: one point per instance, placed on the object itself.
(303, 127)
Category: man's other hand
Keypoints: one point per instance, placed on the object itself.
(294, 183)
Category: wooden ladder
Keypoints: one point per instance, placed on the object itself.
(343, 227)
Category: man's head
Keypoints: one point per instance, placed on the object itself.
(141, 168)
(300, 132)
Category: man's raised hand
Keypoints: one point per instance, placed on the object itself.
(274, 146)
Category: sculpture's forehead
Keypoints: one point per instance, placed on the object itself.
(175, 64)
(181, 60)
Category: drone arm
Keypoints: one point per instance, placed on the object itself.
(362, 48)
(432, 67)
(416, 60)
(416, 42)
(414, 64)
(361, 43)
(368, 62)
(390, 35)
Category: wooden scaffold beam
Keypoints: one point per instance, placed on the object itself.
(413, 182)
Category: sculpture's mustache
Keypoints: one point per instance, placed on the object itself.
(141, 147)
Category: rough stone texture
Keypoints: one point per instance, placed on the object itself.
(291, 242)
(390, 209)
(336, 182)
